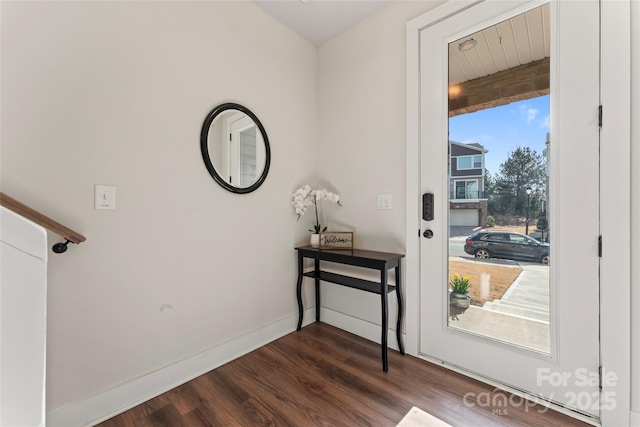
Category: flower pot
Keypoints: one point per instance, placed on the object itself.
(459, 300)
(315, 240)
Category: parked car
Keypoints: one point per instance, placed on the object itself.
(506, 244)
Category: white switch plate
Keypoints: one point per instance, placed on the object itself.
(105, 197)
(384, 201)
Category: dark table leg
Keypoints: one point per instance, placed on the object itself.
(299, 291)
(317, 266)
(385, 320)
(400, 307)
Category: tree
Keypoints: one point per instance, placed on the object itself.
(489, 183)
(493, 194)
(523, 168)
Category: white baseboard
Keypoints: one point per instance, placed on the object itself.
(101, 407)
(634, 419)
(362, 328)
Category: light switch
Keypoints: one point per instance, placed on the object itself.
(105, 197)
(384, 201)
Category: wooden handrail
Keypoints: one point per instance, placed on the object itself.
(40, 219)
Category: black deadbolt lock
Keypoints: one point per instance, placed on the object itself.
(427, 207)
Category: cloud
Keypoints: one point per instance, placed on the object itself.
(527, 112)
(544, 124)
(481, 138)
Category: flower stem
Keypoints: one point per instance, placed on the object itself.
(315, 203)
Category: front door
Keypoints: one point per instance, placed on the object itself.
(539, 333)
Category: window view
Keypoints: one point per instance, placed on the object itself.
(499, 138)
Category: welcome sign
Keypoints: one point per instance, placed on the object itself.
(336, 240)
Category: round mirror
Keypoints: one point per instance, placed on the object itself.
(235, 148)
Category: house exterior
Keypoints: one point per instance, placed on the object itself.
(467, 201)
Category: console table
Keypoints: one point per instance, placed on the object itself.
(380, 261)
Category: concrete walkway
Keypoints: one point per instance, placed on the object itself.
(520, 317)
(527, 297)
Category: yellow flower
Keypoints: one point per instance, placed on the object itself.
(459, 284)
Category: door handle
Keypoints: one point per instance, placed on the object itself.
(428, 234)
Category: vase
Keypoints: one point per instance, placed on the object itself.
(315, 240)
(459, 300)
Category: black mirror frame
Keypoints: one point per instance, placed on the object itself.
(204, 148)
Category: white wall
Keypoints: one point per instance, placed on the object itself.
(362, 127)
(23, 320)
(115, 93)
(635, 212)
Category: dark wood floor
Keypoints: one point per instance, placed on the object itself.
(323, 376)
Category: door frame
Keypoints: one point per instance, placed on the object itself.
(615, 214)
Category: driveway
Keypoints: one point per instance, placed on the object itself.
(461, 231)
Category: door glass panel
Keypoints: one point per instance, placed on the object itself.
(498, 166)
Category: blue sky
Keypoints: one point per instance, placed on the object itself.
(502, 129)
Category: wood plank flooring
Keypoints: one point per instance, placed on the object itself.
(323, 376)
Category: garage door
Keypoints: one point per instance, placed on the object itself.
(464, 217)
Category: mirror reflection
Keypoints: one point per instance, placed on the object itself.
(235, 148)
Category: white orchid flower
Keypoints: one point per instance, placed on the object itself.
(332, 197)
(305, 196)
